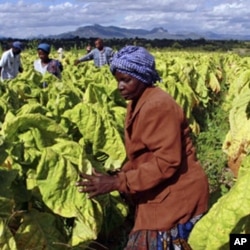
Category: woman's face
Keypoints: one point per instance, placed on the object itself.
(42, 55)
(130, 88)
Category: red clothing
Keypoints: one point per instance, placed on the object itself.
(162, 175)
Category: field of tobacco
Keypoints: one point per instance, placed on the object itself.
(49, 135)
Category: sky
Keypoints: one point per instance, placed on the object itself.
(29, 18)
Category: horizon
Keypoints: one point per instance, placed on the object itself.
(31, 19)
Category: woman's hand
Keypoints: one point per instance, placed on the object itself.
(97, 184)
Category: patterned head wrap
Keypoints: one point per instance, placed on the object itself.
(136, 62)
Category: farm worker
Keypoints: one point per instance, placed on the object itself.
(101, 54)
(162, 176)
(10, 63)
(88, 48)
(45, 63)
(60, 53)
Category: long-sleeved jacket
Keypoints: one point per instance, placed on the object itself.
(162, 175)
(95, 55)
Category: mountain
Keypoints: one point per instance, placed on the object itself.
(110, 32)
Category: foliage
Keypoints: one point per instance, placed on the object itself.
(49, 134)
(76, 43)
(237, 141)
(214, 125)
(230, 214)
(209, 144)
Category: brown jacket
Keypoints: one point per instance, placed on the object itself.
(162, 175)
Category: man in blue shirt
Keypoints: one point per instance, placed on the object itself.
(101, 54)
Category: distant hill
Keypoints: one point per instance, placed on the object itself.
(109, 32)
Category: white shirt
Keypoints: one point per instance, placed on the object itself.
(10, 64)
(39, 67)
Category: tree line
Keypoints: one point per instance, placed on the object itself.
(117, 43)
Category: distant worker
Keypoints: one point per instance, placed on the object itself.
(88, 48)
(60, 53)
(100, 54)
(10, 63)
(45, 63)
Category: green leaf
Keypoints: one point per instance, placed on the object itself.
(40, 231)
(7, 241)
(87, 223)
(48, 128)
(227, 215)
(7, 203)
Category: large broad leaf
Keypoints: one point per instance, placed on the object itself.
(237, 141)
(3, 109)
(97, 126)
(7, 202)
(33, 109)
(6, 179)
(56, 176)
(230, 214)
(87, 223)
(109, 141)
(6, 207)
(115, 212)
(57, 173)
(96, 93)
(13, 191)
(7, 241)
(25, 135)
(13, 126)
(41, 231)
(61, 98)
(84, 116)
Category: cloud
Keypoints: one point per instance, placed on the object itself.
(29, 18)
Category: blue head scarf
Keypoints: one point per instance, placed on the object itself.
(137, 62)
(17, 45)
(45, 47)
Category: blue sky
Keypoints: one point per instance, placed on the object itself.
(23, 19)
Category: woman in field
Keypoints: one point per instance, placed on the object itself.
(45, 63)
(162, 176)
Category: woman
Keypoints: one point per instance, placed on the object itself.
(162, 176)
(45, 63)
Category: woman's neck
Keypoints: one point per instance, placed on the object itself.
(45, 61)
